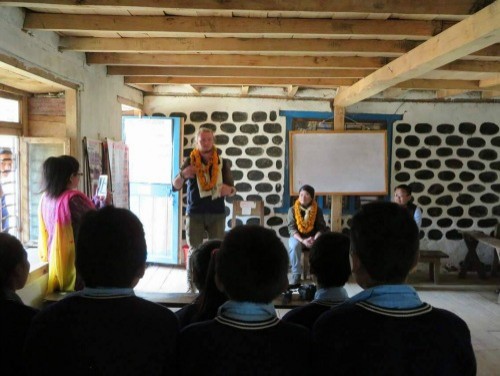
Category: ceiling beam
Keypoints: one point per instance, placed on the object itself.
(442, 94)
(244, 90)
(291, 90)
(477, 31)
(489, 83)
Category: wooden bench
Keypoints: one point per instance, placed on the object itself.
(471, 261)
(433, 258)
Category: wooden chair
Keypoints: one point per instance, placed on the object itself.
(243, 208)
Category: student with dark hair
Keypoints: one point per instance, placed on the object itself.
(403, 197)
(15, 317)
(105, 329)
(330, 267)
(247, 337)
(387, 329)
(207, 303)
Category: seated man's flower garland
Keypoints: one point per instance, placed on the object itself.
(202, 170)
(305, 225)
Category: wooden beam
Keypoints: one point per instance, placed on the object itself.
(233, 26)
(130, 103)
(490, 94)
(419, 84)
(490, 83)
(478, 31)
(441, 94)
(210, 60)
(291, 90)
(241, 72)
(244, 90)
(393, 92)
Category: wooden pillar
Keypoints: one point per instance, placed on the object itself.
(72, 131)
(336, 210)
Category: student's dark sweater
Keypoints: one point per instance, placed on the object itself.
(364, 339)
(230, 347)
(308, 314)
(103, 336)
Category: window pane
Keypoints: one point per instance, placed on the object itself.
(9, 110)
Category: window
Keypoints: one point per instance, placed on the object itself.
(9, 110)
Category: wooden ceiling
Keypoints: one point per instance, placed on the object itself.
(361, 48)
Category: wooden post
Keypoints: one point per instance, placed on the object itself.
(336, 209)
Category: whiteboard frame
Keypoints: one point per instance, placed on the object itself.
(310, 159)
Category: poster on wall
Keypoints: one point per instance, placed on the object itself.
(93, 154)
(118, 174)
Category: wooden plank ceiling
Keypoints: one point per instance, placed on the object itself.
(363, 47)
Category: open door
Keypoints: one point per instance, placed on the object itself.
(154, 156)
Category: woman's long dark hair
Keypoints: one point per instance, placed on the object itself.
(57, 172)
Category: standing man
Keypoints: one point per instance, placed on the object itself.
(209, 180)
(5, 170)
(402, 197)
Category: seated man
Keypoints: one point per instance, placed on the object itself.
(403, 197)
(330, 267)
(105, 329)
(246, 337)
(387, 329)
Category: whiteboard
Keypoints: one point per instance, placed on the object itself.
(348, 163)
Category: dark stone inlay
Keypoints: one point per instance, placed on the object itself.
(467, 128)
(263, 163)
(239, 222)
(255, 175)
(444, 152)
(259, 116)
(240, 140)
(249, 128)
(254, 198)
(264, 187)
(476, 142)
(423, 128)
(237, 175)
(432, 141)
(426, 222)
(496, 210)
(402, 176)
(278, 187)
(272, 128)
(267, 211)
(456, 211)
(210, 126)
(254, 151)
(495, 165)
(423, 153)
(274, 151)
(159, 114)
(489, 198)
(412, 141)
(495, 141)
(454, 141)
(433, 163)
(198, 116)
(274, 176)
(228, 127)
(179, 115)
(397, 166)
(219, 116)
(435, 189)
(186, 152)
(244, 163)
(402, 153)
(274, 221)
(403, 127)
(397, 140)
(476, 188)
(488, 177)
(277, 140)
(445, 200)
(465, 199)
(467, 176)
(489, 222)
(240, 116)
(417, 187)
(478, 211)
(446, 175)
(454, 163)
(253, 221)
(273, 116)
(424, 175)
(283, 231)
(445, 128)
(424, 200)
(233, 151)
(243, 187)
(465, 222)
(273, 199)
(279, 164)
(189, 129)
(495, 188)
(221, 139)
(453, 235)
(260, 140)
(434, 235)
(444, 222)
(412, 165)
(455, 187)
(488, 155)
(465, 153)
(489, 128)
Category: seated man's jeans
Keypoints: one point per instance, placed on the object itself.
(295, 253)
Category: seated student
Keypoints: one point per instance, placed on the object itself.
(330, 266)
(207, 303)
(247, 337)
(403, 197)
(386, 329)
(15, 317)
(105, 329)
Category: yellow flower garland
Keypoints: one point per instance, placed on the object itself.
(303, 226)
(203, 169)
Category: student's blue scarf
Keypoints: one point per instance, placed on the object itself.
(389, 296)
(247, 311)
(331, 294)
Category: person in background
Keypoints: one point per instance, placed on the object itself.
(403, 197)
(15, 317)
(61, 209)
(386, 329)
(6, 164)
(247, 337)
(330, 267)
(209, 179)
(105, 329)
(305, 224)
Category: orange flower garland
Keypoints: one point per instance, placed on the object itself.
(305, 227)
(203, 169)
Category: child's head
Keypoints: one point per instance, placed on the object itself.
(14, 264)
(252, 264)
(402, 194)
(200, 259)
(329, 260)
(111, 249)
(384, 244)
